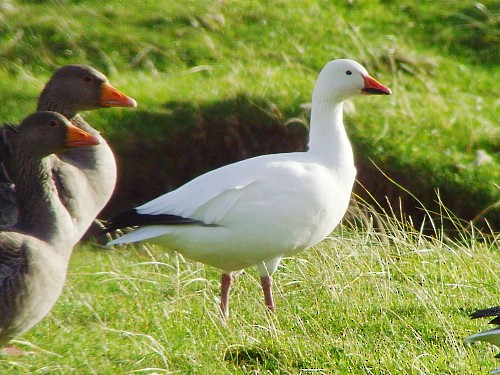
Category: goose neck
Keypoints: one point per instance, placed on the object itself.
(327, 136)
(41, 212)
(49, 102)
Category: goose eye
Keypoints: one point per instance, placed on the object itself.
(53, 123)
(87, 79)
(348, 72)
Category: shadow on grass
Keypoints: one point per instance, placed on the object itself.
(159, 151)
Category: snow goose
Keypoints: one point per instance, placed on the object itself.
(34, 253)
(85, 177)
(491, 335)
(256, 211)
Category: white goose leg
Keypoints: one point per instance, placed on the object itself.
(225, 285)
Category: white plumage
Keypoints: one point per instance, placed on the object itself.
(256, 211)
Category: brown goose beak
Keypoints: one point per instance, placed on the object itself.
(77, 137)
(374, 87)
(111, 97)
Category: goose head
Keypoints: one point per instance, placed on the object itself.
(45, 133)
(343, 79)
(76, 88)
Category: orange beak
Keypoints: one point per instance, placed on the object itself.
(77, 137)
(111, 97)
(374, 87)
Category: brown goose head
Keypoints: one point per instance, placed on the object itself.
(45, 133)
(76, 88)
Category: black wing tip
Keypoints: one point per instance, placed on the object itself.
(120, 221)
(483, 313)
(132, 218)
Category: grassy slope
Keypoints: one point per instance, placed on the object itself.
(439, 58)
(353, 304)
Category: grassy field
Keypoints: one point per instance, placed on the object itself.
(186, 63)
(361, 302)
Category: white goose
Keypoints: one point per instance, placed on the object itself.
(256, 211)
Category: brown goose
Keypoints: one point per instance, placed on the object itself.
(34, 253)
(85, 177)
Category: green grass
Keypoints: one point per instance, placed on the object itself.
(364, 301)
(440, 59)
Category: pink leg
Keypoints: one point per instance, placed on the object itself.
(12, 350)
(225, 286)
(267, 283)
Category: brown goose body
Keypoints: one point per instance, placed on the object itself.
(34, 254)
(85, 177)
